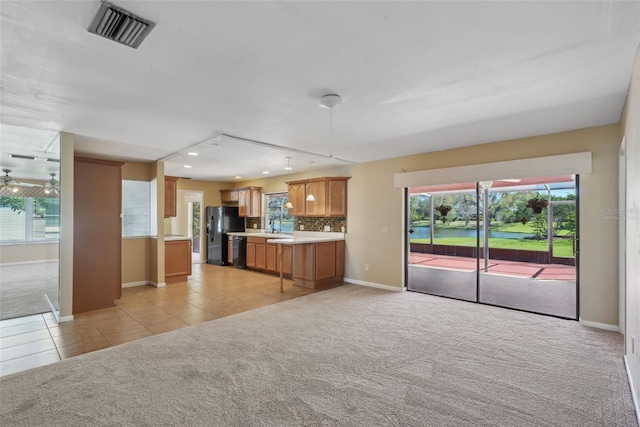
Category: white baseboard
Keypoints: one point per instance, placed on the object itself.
(38, 261)
(157, 285)
(373, 285)
(634, 390)
(63, 319)
(134, 284)
(597, 325)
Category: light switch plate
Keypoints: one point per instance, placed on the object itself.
(327, 228)
(301, 227)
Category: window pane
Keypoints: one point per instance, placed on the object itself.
(46, 218)
(278, 219)
(135, 208)
(12, 219)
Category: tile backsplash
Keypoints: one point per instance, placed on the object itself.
(318, 223)
(250, 222)
(310, 223)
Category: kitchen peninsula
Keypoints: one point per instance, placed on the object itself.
(312, 259)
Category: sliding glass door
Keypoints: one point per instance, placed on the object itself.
(510, 243)
(443, 243)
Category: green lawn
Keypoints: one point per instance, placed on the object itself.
(561, 248)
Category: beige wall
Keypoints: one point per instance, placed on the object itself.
(631, 130)
(135, 260)
(136, 171)
(29, 252)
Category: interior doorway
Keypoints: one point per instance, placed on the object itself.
(511, 243)
(192, 220)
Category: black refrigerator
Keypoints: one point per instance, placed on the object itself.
(220, 221)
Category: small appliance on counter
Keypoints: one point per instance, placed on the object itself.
(220, 221)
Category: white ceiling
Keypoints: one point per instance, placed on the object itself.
(414, 76)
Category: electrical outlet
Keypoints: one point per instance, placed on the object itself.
(301, 227)
(327, 228)
(342, 228)
(366, 267)
(385, 230)
(255, 225)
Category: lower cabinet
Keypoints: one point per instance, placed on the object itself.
(230, 250)
(177, 260)
(263, 256)
(318, 264)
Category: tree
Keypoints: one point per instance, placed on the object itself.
(420, 207)
(465, 207)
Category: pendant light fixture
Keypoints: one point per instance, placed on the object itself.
(288, 205)
(310, 196)
(330, 102)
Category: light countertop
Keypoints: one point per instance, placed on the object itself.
(297, 238)
(174, 237)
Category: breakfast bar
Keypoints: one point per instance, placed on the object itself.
(313, 259)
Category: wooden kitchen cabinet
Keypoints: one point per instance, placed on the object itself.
(318, 264)
(287, 260)
(272, 258)
(249, 201)
(263, 256)
(228, 196)
(177, 260)
(243, 197)
(170, 196)
(330, 195)
(318, 206)
(297, 196)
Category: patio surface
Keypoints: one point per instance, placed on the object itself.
(509, 268)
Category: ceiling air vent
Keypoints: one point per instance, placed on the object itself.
(115, 23)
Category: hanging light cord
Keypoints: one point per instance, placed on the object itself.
(331, 133)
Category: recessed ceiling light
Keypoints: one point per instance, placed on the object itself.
(187, 166)
(192, 153)
(265, 172)
(238, 177)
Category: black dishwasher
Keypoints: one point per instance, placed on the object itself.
(240, 251)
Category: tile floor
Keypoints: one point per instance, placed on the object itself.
(210, 293)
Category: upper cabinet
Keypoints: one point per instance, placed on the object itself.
(249, 200)
(229, 196)
(329, 194)
(170, 195)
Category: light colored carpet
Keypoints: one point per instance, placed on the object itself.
(23, 288)
(350, 356)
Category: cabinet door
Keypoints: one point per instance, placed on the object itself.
(317, 207)
(261, 257)
(287, 259)
(230, 250)
(272, 258)
(297, 198)
(228, 196)
(337, 198)
(340, 258)
(170, 195)
(325, 260)
(251, 255)
(256, 203)
(243, 202)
